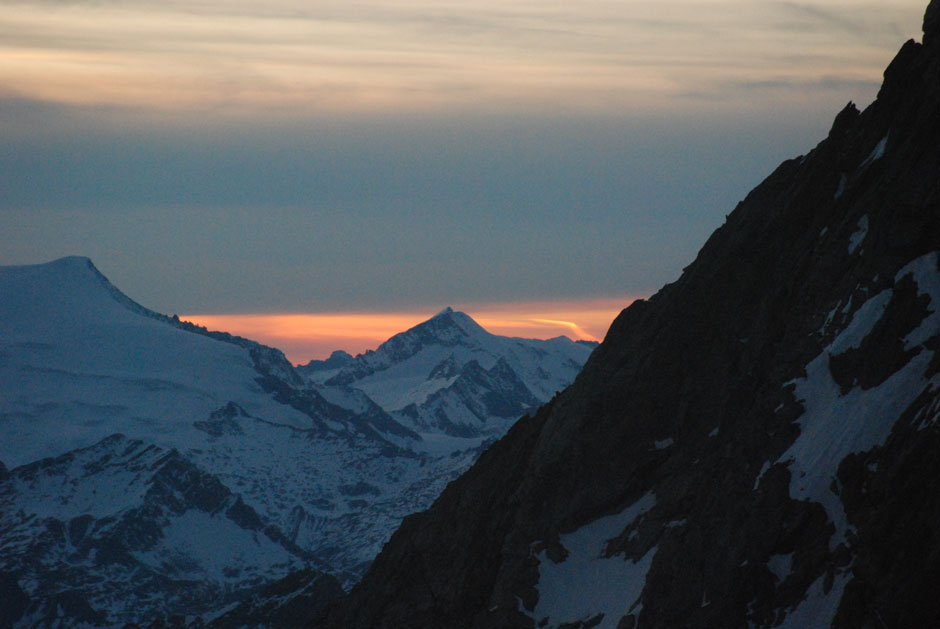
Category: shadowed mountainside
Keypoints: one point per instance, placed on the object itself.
(756, 444)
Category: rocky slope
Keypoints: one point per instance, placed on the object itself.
(755, 445)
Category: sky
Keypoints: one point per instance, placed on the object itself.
(228, 157)
(306, 336)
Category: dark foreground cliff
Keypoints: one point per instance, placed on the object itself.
(757, 444)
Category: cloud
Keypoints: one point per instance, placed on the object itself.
(293, 56)
(820, 89)
(575, 330)
(863, 21)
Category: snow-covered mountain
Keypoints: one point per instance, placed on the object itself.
(756, 445)
(150, 468)
(79, 357)
(123, 525)
(449, 375)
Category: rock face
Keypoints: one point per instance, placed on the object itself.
(284, 604)
(755, 445)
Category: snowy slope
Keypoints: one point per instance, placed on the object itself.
(133, 526)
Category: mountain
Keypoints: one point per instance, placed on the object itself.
(79, 354)
(450, 376)
(337, 360)
(756, 445)
(151, 469)
(123, 525)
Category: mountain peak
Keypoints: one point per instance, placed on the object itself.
(72, 261)
(73, 281)
(69, 269)
(931, 21)
(448, 321)
(73, 265)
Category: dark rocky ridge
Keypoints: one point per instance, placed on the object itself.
(706, 366)
(284, 604)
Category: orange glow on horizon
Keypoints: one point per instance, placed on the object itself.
(306, 336)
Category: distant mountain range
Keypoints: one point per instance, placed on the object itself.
(449, 375)
(150, 468)
(756, 445)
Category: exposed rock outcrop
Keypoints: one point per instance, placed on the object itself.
(766, 428)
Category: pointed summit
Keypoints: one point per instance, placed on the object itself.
(448, 322)
(447, 328)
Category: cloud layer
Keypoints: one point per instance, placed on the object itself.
(302, 56)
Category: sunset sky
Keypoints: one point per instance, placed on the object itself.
(317, 335)
(396, 157)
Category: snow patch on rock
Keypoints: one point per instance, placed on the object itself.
(876, 153)
(819, 607)
(834, 425)
(587, 583)
(858, 236)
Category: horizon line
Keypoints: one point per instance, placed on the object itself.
(305, 336)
